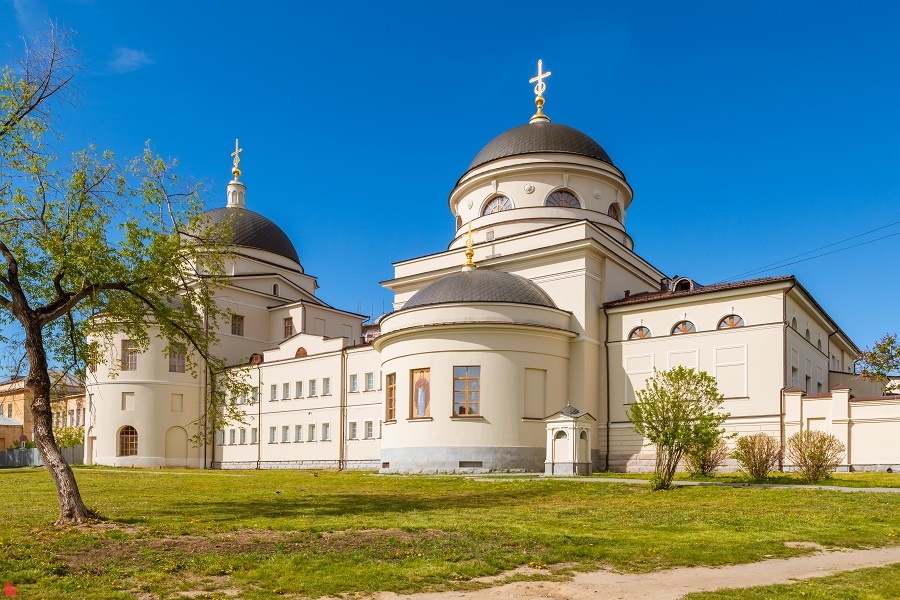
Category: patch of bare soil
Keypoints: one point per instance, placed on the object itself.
(673, 583)
(138, 550)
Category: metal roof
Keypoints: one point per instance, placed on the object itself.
(540, 137)
(481, 285)
(252, 230)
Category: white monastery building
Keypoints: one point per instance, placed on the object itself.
(518, 348)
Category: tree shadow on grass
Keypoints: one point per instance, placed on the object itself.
(311, 505)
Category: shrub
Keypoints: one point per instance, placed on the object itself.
(678, 409)
(704, 459)
(815, 454)
(758, 454)
(69, 437)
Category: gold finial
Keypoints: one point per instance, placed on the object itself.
(470, 252)
(539, 92)
(237, 160)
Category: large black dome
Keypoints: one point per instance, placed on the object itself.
(540, 137)
(481, 285)
(252, 230)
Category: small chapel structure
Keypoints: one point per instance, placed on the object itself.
(537, 304)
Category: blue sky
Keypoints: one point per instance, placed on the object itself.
(750, 133)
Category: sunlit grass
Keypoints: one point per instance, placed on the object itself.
(265, 533)
(881, 583)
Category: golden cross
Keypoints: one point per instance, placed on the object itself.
(541, 86)
(237, 153)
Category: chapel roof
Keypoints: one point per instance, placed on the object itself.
(252, 230)
(697, 289)
(481, 285)
(540, 137)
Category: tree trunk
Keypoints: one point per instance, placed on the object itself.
(71, 507)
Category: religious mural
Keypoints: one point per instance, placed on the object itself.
(421, 393)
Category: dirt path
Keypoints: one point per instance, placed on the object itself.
(674, 583)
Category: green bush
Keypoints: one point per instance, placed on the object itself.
(815, 454)
(704, 459)
(758, 454)
(69, 437)
(678, 409)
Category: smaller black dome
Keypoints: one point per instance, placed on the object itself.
(481, 285)
(540, 137)
(252, 230)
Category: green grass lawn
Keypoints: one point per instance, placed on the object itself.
(865, 584)
(268, 533)
(887, 480)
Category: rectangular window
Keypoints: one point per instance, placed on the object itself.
(220, 437)
(237, 325)
(354, 383)
(274, 391)
(312, 387)
(466, 391)
(326, 432)
(285, 433)
(286, 391)
(176, 358)
(298, 433)
(127, 402)
(254, 436)
(231, 435)
(390, 397)
(326, 386)
(351, 431)
(77, 418)
(298, 389)
(129, 356)
(9, 411)
(177, 402)
(288, 327)
(254, 396)
(370, 382)
(273, 432)
(72, 418)
(311, 434)
(369, 430)
(243, 436)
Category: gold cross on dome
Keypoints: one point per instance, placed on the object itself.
(237, 153)
(541, 86)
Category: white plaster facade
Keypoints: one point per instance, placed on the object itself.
(327, 398)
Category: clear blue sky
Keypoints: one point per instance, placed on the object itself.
(750, 133)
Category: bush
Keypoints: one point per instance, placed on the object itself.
(758, 454)
(815, 454)
(678, 409)
(69, 437)
(703, 460)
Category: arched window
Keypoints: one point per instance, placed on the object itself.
(275, 289)
(128, 441)
(683, 327)
(807, 334)
(458, 222)
(563, 198)
(300, 353)
(496, 204)
(683, 284)
(639, 333)
(819, 344)
(614, 211)
(794, 322)
(731, 321)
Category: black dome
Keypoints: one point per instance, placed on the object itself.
(253, 230)
(540, 137)
(481, 285)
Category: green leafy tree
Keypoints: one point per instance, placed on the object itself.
(678, 409)
(92, 248)
(881, 360)
(69, 437)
